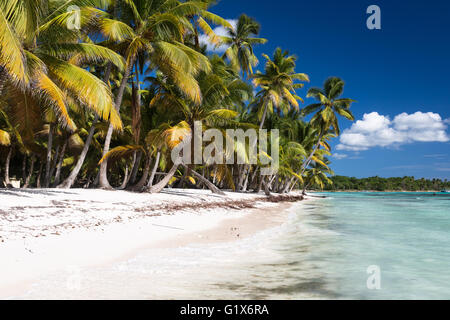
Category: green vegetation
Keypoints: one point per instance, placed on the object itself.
(341, 183)
(103, 104)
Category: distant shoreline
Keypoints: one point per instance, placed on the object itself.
(392, 191)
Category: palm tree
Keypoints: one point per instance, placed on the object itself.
(277, 85)
(327, 109)
(42, 65)
(241, 41)
(317, 176)
(159, 28)
(36, 60)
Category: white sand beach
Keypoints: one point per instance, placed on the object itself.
(43, 232)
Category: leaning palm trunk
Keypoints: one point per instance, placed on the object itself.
(287, 188)
(264, 115)
(103, 178)
(157, 188)
(208, 183)
(306, 186)
(155, 167)
(70, 180)
(125, 180)
(68, 183)
(308, 161)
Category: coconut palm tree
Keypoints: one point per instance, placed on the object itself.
(317, 176)
(241, 41)
(277, 85)
(327, 109)
(158, 33)
(36, 60)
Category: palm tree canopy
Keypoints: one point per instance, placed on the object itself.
(329, 105)
(241, 41)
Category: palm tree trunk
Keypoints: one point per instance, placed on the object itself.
(155, 167)
(136, 164)
(49, 155)
(264, 115)
(38, 179)
(143, 180)
(306, 164)
(2, 79)
(24, 168)
(103, 178)
(67, 184)
(157, 188)
(7, 162)
(70, 180)
(288, 185)
(306, 186)
(30, 173)
(125, 179)
(208, 183)
(266, 187)
(55, 162)
(59, 165)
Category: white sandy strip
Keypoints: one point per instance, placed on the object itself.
(43, 231)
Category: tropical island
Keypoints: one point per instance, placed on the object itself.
(341, 183)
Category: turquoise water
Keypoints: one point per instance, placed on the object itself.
(407, 235)
(321, 252)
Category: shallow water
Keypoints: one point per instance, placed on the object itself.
(322, 252)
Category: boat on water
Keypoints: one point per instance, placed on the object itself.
(445, 191)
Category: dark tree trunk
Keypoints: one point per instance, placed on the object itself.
(48, 163)
(2, 79)
(136, 165)
(7, 162)
(24, 168)
(38, 179)
(30, 173)
(55, 162)
(60, 162)
(141, 183)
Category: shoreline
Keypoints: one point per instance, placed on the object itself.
(375, 191)
(84, 238)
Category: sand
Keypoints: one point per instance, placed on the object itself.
(45, 231)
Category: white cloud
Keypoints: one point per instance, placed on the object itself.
(376, 130)
(220, 31)
(339, 156)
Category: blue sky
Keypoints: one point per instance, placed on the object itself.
(400, 76)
